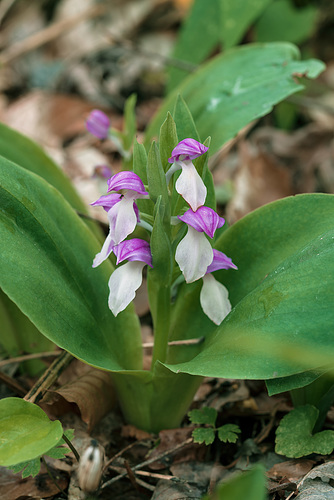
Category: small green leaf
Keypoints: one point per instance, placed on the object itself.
(294, 437)
(228, 433)
(26, 432)
(205, 415)
(184, 120)
(129, 121)
(29, 468)
(167, 140)
(203, 435)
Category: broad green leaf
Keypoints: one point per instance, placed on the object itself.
(26, 432)
(205, 415)
(228, 433)
(283, 384)
(294, 437)
(250, 484)
(281, 21)
(237, 16)
(237, 87)
(204, 435)
(46, 269)
(282, 295)
(184, 121)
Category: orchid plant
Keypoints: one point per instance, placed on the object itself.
(250, 301)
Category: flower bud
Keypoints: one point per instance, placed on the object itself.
(91, 467)
(98, 124)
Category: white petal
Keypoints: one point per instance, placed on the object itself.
(123, 283)
(105, 251)
(123, 219)
(190, 185)
(194, 254)
(214, 299)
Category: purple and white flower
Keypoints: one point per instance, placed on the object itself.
(214, 296)
(194, 253)
(126, 279)
(123, 213)
(189, 184)
(98, 124)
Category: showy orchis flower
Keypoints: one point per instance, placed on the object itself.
(194, 252)
(214, 296)
(98, 124)
(126, 279)
(122, 210)
(189, 184)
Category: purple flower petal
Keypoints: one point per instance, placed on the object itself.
(98, 124)
(123, 284)
(190, 185)
(107, 201)
(193, 254)
(188, 149)
(126, 180)
(220, 261)
(204, 219)
(214, 299)
(133, 250)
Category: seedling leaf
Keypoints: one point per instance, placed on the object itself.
(204, 435)
(228, 433)
(205, 415)
(294, 437)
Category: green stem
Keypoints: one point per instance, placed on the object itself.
(161, 323)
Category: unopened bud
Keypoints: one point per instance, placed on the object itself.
(98, 124)
(90, 467)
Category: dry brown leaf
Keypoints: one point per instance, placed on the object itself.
(93, 393)
(130, 431)
(12, 486)
(292, 470)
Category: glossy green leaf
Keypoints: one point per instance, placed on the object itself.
(283, 384)
(26, 432)
(250, 484)
(282, 296)
(237, 87)
(294, 437)
(281, 21)
(46, 269)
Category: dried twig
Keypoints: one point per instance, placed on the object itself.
(149, 461)
(12, 384)
(48, 34)
(28, 357)
(49, 377)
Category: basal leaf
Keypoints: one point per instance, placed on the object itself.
(294, 437)
(282, 295)
(250, 484)
(26, 432)
(46, 269)
(236, 87)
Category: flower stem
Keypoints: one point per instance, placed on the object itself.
(161, 323)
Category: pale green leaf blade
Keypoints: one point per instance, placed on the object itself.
(250, 484)
(26, 432)
(237, 87)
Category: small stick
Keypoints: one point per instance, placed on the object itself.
(199, 340)
(10, 382)
(131, 475)
(149, 461)
(5, 6)
(146, 473)
(49, 377)
(48, 34)
(28, 357)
